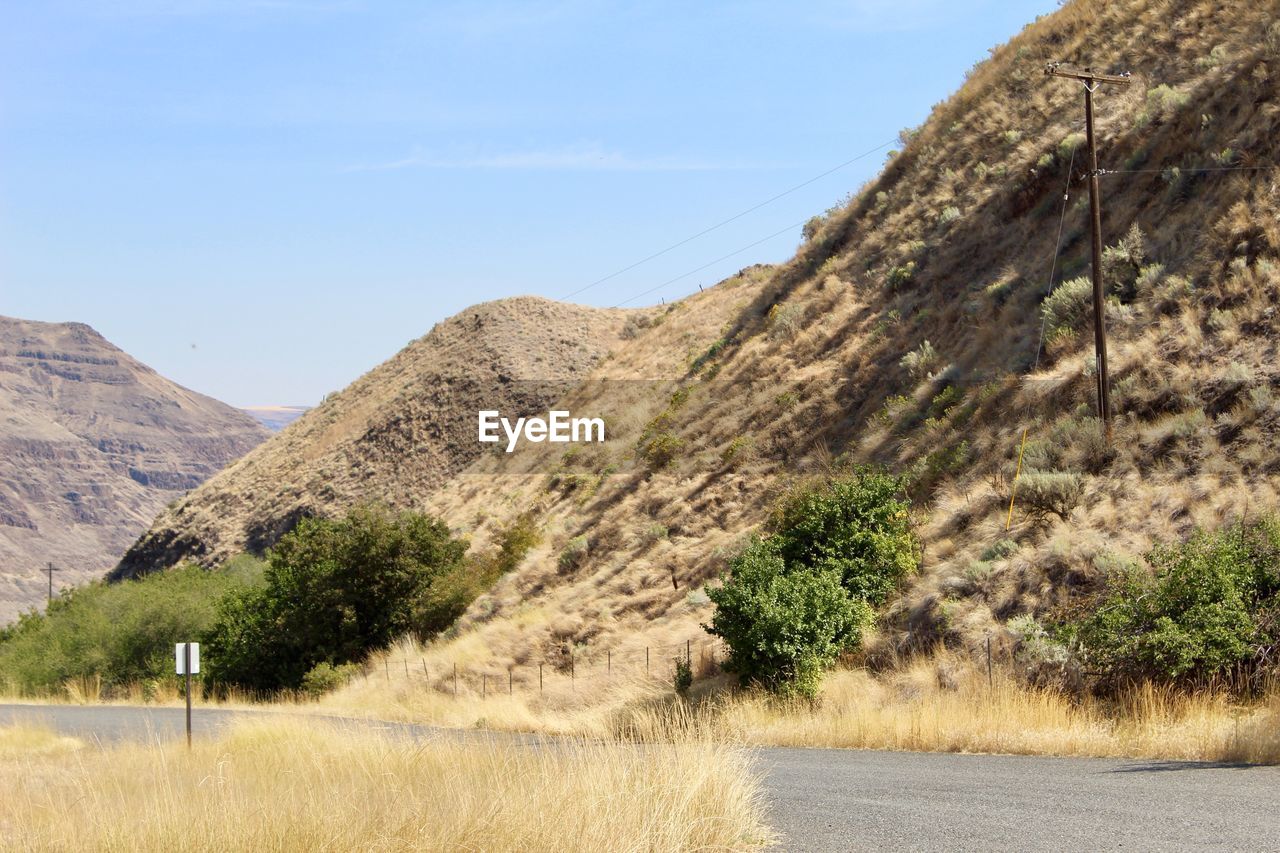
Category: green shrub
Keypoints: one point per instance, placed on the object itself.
(1208, 606)
(1000, 549)
(1047, 493)
(1070, 144)
(857, 525)
(1163, 102)
(451, 592)
(334, 591)
(660, 450)
(794, 600)
(122, 632)
(683, 678)
(574, 555)
(1068, 307)
(900, 275)
(324, 678)
(1122, 263)
(784, 627)
(919, 361)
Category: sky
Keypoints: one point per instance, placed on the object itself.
(263, 199)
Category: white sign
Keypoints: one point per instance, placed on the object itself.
(180, 658)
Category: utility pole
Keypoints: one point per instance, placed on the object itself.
(1092, 81)
(50, 583)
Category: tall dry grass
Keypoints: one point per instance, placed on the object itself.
(287, 784)
(940, 703)
(1007, 716)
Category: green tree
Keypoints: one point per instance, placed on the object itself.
(121, 632)
(333, 591)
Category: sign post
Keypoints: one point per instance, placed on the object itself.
(187, 662)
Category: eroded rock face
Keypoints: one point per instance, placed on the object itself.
(93, 445)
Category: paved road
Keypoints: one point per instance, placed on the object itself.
(826, 799)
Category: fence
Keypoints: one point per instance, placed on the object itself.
(577, 666)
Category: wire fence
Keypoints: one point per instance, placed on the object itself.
(576, 668)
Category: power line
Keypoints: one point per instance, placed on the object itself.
(725, 222)
(712, 263)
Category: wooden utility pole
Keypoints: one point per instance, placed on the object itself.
(50, 583)
(1092, 81)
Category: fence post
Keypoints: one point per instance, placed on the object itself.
(688, 653)
(573, 679)
(455, 681)
(386, 665)
(990, 679)
(539, 678)
(609, 665)
(406, 668)
(646, 660)
(424, 670)
(510, 683)
(484, 685)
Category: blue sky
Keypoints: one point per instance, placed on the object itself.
(262, 199)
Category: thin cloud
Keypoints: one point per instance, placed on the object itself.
(580, 159)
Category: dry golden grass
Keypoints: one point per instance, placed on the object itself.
(288, 784)
(942, 703)
(914, 713)
(26, 741)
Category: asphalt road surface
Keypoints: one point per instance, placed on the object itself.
(828, 799)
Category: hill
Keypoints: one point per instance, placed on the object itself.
(393, 436)
(93, 444)
(924, 326)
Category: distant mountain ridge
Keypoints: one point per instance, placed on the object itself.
(93, 444)
(275, 418)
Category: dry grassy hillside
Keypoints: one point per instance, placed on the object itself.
(907, 332)
(394, 435)
(92, 445)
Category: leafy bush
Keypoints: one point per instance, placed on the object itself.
(683, 678)
(857, 525)
(920, 360)
(324, 678)
(118, 633)
(1068, 307)
(451, 592)
(1070, 144)
(1208, 606)
(661, 449)
(1000, 549)
(784, 626)
(900, 275)
(574, 554)
(1047, 493)
(1122, 263)
(784, 321)
(334, 590)
(794, 600)
(1163, 102)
